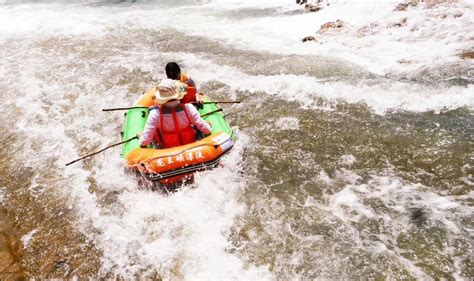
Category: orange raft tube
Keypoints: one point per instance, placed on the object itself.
(177, 164)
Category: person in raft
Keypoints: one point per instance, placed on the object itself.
(171, 123)
(173, 71)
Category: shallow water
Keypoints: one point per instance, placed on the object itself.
(339, 173)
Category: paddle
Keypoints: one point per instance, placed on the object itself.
(125, 141)
(92, 154)
(135, 107)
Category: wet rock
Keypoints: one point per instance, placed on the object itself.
(368, 29)
(414, 28)
(404, 61)
(401, 23)
(331, 25)
(312, 7)
(403, 6)
(458, 14)
(467, 55)
(432, 3)
(308, 38)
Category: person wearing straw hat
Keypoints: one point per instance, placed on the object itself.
(173, 123)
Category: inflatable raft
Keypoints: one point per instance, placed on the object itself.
(174, 165)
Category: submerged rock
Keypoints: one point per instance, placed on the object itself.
(458, 14)
(404, 61)
(331, 25)
(313, 7)
(401, 23)
(458, 73)
(428, 4)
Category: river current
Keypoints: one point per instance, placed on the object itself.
(339, 172)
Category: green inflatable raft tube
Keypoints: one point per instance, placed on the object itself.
(135, 120)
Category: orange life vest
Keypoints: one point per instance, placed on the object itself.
(184, 78)
(175, 137)
(191, 95)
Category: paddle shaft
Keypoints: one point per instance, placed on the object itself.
(123, 108)
(211, 112)
(220, 101)
(144, 107)
(97, 152)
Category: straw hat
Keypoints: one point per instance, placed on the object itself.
(169, 90)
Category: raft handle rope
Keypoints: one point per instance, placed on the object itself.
(146, 162)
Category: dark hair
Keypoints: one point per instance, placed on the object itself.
(173, 71)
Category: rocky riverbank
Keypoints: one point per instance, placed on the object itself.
(10, 249)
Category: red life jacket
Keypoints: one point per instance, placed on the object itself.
(190, 96)
(175, 137)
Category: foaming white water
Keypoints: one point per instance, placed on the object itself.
(399, 198)
(386, 96)
(369, 38)
(288, 123)
(27, 238)
(178, 236)
(184, 235)
(277, 34)
(347, 160)
(50, 19)
(240, 4)
(381, 97)
(396, 193)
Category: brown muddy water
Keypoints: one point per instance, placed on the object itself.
(337, 174)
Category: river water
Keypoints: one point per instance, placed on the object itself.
(340, 172)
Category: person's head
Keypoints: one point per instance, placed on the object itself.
(169, 90)
(173, 71)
